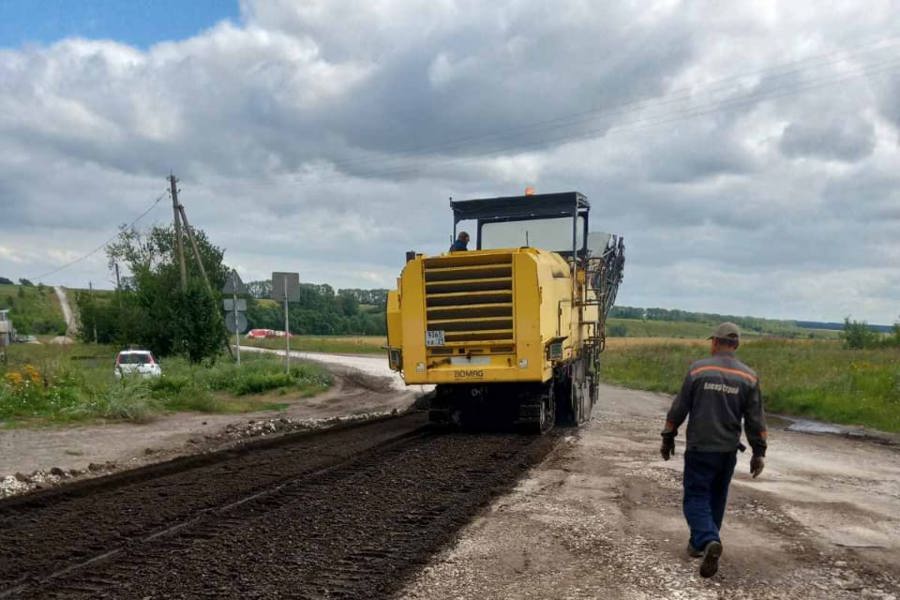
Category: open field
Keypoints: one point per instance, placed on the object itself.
(44, 384)
(615, 343)
(336, 344)
(618, 327)
(817, 379)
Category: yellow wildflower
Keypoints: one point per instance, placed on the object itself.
(14, 379)
(33, 374)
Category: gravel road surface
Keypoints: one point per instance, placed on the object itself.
(601, 518)
(68, 315)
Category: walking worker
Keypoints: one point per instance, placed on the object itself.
(718, 392)
(461, 244)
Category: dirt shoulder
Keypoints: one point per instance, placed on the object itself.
(601, 518)
(36, 457)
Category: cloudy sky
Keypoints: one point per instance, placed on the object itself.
(749, 153)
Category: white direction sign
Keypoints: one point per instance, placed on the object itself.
(229, 304)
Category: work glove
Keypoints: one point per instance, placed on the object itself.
(668, 446)
(757, 463)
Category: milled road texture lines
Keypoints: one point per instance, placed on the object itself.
(348, 513)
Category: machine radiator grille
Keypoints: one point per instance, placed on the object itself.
(470, 297)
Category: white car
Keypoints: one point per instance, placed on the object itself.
(137, 362)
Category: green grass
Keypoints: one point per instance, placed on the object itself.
(690, 329)
(816, 379)
(99, 294)
(661, 329)
(70, 384)
(337, 344)
(33, 309)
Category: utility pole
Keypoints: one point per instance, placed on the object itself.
(91, 290)
(196, 248)
(118, 282)
(287, 333)
(181, 219)
(179, 244)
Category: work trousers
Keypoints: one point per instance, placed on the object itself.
(707, 476)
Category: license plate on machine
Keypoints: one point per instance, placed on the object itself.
(434, 338)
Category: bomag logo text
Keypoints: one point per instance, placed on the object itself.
(468, 373)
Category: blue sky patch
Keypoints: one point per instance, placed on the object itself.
(139, 23)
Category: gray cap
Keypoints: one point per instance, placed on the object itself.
(726, 331)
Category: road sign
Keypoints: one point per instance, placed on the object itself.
(286, 284)
(286, 288)
(234, 285)
(230, 305)
(236, 322)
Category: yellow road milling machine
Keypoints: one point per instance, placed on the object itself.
(511, 331)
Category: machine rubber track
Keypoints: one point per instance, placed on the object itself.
(537, 409)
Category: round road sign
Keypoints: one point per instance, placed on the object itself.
(239, 327)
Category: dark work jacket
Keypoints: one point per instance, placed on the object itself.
(458, 246)
(718, 393)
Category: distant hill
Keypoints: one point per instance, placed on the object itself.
(33, 309)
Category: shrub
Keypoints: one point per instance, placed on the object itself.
(256, 383)
(857, 335)
(169, 385)
(29, 392)
(61, 384)
(129, 399)
(618, 330)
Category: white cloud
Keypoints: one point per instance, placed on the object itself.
(748, 153)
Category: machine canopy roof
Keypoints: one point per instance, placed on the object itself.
(513, 208)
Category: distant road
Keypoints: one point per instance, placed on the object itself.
(376, 366)
(68, 315)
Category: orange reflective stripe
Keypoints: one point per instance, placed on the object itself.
(763, 434)
(746, 376)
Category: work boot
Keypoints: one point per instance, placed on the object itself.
(693, 552)
(711, 553)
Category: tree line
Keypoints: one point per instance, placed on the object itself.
(320, 310)
(152, 309)
(756, 324)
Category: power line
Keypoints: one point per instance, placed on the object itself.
(101, 246)
(645, 122)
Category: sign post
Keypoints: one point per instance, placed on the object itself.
(237, 321)
(287, 331)
(234, 311)
(286, 287)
